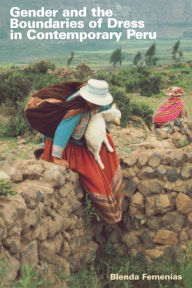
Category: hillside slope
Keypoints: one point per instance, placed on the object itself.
(170, 19)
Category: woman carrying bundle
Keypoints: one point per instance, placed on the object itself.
(62, 113)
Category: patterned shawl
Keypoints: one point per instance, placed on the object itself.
(169, 111)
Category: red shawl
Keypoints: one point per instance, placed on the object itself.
(169, 111)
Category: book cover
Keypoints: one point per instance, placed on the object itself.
(50, 233)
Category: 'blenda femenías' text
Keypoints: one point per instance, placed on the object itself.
(144, 276)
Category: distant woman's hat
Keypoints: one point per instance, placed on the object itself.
(96, 92)
(175, 91)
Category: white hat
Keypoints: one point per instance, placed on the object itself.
(96, 92)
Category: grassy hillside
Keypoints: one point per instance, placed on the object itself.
(97, 58)
(170, 19)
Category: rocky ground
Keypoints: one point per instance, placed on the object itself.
(16, 148)
(137, 136)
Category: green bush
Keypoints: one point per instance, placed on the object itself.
(131, 85)
(6, 188)
(39, 80)
(44, 80)
(14, 87)
(150, 85)
(137, 79)
(44, 65)
(122, 101)
(142, 110)
(82, 72)
(40, 67)
(144, 81)
(89, 211)
(29, 278)
(102, 75)
(14, 127)
(15, 124)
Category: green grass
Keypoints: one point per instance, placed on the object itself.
(97, 273)
(89, 211)
(97, 56)
(10, 148)
(6, 188)
(29, 279)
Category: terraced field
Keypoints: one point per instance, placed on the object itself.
(96, 56)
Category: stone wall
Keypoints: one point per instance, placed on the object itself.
(158, 203)
(179, 132)
(45, 225)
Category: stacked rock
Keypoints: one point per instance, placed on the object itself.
(179, 131)
(159, 202)
(44, 223)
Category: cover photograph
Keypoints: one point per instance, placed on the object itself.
(95, 143)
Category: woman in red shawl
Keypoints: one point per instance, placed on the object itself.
(171, 109)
